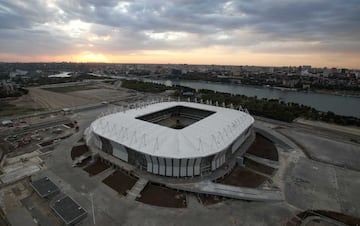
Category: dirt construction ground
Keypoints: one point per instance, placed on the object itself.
(161, 196)
(263, 148)
(25, 101)
(78, 151)
(120, 182)
(96, 168)
(55, 100)
(243, 177)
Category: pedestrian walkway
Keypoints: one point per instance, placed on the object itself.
(136, 189)
(81, 158)
(266, 162)
(193, 202)
(242, 193)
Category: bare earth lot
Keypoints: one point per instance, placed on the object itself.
(67, 89)
(243, 177)
(250, 164)
(53, 100)
(78, 151)
(263, 148)
(18, 106)
(160, 196)
(120, 182)
(102, 94)
(71, 98)
(96, 168)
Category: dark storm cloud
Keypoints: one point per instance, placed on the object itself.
(333, 25)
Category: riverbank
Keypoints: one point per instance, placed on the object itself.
(266, 107)
(329, 126)
(344, 93)
(338, 104)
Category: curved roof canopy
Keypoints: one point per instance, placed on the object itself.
(209, 135)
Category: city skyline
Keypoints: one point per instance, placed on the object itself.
(263, 33)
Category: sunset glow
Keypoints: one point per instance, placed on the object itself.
(270, 33)
(91, 57)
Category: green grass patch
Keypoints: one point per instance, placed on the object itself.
(144, 86)
(68, 89)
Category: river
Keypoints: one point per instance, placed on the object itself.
(341, 105)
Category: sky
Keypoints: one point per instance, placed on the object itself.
(241, 32)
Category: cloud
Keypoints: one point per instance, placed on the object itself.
(261, 26)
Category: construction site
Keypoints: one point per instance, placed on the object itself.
(289, 173)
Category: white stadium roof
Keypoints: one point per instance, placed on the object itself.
(202, 138)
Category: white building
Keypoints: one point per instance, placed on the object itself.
(176, 139)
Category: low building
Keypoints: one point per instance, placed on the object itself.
(7, 123)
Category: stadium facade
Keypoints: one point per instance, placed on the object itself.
(175, 139)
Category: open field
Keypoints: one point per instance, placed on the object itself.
(71, 96)
(53, 100)
(18, 106)
(67, 89)
(102, 94)
(9, 110)
(39, 99)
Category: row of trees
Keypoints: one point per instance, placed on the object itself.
(270, 108)
(275, 109)
(144, 86)
(15, 93)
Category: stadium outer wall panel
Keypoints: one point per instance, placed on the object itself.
(183, 167)
(161, 166)
(149, 164)
(176, 167)
(169, 167)
(155, 165)
(180, 167)
(190, 167)
(197, 166)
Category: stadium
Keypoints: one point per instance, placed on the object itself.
(174, 139)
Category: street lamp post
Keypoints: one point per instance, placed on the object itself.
(92, 205)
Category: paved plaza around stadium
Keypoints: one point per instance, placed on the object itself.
(305, 183)
(308, 173)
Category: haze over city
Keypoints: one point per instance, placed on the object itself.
(270, 33)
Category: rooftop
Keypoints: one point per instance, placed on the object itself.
(44, 187)
(67, 209)
(202, 137)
